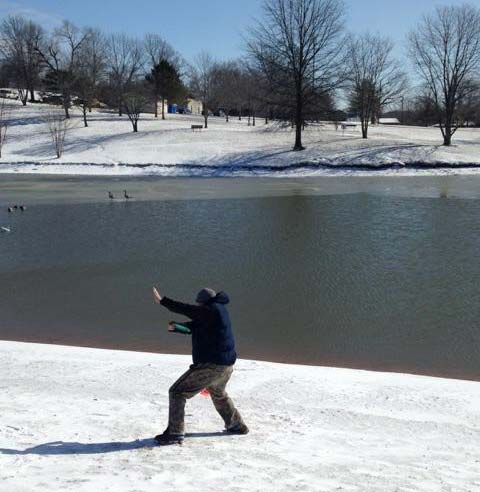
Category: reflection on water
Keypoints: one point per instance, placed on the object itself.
(374, 280)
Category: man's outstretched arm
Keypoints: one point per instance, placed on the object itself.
(189, 310)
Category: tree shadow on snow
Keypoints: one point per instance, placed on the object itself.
(61, 447)
(380, 152)
(80, 143)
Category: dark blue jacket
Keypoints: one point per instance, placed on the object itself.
(212, 336)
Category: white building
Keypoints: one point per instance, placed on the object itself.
(388, 121)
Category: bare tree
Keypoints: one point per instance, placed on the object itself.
(58, 125)
(157, 49)
(125, 60)
(134, 104)
(227, 83)
(5, 117)
(61, 55)
(91, 71)
(18, 41)
(469, 108)
(423, 110)
(297, 46)
(202, 81)
(22, 95)
(374, 79)
(445, 48)
(252, 92)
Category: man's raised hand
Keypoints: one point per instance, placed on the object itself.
(156, 296)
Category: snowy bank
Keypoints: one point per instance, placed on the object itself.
(169, 148)
(77, 419)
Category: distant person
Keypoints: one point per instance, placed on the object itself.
(213, 353)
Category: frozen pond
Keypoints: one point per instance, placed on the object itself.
(379, 273)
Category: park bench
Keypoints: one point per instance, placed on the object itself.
(197, 127)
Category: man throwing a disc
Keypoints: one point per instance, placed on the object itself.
(213, 353)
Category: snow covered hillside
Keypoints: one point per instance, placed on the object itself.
(170, 147)
(77, 419)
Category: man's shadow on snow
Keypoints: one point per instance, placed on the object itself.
(61, 447)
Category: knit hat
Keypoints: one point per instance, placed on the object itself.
(205, 295)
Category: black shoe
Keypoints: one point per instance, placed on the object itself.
(167, 439)
(238, 429)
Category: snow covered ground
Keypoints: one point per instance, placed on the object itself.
(77, 419)
(170, 148)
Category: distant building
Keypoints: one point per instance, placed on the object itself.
(159, 107)
(195, 106)
(9, 93)
(192, 106)
(388, 121)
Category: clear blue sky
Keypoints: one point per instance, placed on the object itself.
(214, 25)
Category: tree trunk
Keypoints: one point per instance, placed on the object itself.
(253, 121)
(298, 123)
(227, 116)
(135, 126)
(67, 111)
(32, 95)
(85, 122)
(448, 127)
(298, 137)
(205, 115)
(156, 106)
(447, 135)
(240, 113)
(163, 108)
(364, 127)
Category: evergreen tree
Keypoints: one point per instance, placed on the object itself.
(166, 84)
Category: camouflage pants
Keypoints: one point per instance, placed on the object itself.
(200, 376)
